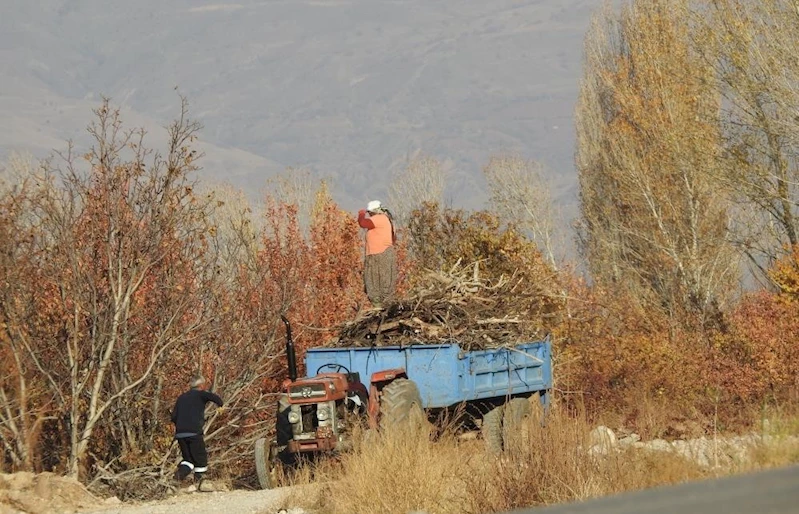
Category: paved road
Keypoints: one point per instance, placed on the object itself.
(768, 492)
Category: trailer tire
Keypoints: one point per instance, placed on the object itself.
(492, 430)
(538, 410)
(266, 464)
(401, 404)
(516, 422)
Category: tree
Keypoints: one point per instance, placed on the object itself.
(26, 404)
(296, 186)
(648, 150)
(233, 232)
(753, 48)
(422, 181)
(520, 193)
(118, 262)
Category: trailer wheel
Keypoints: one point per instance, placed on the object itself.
(538, 411)
(516, 422)
(268, 465)
(492, 429)
(401, 404)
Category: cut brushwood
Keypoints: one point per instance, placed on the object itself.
(454, 305)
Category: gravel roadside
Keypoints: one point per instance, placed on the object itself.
(229, 502)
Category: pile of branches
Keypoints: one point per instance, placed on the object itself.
(451, 306)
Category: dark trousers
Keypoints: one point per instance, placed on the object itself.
(195, 458)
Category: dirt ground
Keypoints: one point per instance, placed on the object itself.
(42, 493)
(244, 502)
(46, 493)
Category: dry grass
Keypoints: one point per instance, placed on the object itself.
(396, 472)
(781, 447)
(399, 472)
(551, 465)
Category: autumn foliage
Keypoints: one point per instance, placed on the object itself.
(120, 279)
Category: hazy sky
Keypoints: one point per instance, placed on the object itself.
(347, 89)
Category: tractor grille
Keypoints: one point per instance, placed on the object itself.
(309, 421)
(307, 391)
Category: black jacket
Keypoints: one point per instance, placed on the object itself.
(189, 412)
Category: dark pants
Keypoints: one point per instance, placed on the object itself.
(380, 276)
(195, 458)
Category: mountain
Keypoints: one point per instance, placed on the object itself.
(346, 88)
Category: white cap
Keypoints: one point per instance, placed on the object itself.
(373, 206)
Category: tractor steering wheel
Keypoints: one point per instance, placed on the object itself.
(337, 367)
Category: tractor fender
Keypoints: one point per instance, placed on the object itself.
(378, 381)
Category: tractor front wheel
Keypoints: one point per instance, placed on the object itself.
(268, 465)
(401, 404)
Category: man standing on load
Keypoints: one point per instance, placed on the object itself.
(380, 264)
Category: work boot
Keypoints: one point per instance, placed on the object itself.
(198, 480)
(181, 473)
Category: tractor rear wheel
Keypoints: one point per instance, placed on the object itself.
(401, 404)
(516, 423)
(268, 465)
(492, 429)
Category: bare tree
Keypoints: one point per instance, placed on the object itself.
(519, 192)
(752, 46)
(234, 228)
(296, 186)
(422, 181)
(19, 169)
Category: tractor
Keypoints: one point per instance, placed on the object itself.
(316, 414)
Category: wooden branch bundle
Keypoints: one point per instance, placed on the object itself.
(454, 306)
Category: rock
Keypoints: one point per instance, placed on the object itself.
(694, 450)
(602, 440)
(208, 486)
(629, 440)
(113, 500)
(659, 445)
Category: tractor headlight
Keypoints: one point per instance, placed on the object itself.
(294, 417)
(322, 413)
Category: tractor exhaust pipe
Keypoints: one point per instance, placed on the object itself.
(291, 354)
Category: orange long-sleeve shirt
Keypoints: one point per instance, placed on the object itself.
(379, 234)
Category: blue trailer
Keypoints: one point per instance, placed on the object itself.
(446, 375)
(400, 385)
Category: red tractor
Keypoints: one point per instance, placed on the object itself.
(317, 413)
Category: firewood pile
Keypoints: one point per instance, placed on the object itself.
(450, 306)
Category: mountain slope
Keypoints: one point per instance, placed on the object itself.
(348, 89)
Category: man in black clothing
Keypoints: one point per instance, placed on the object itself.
(188, 417)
